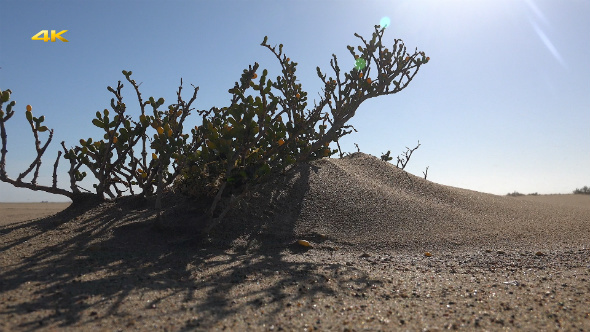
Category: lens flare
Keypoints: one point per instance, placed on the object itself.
(385, 22)
(360, 64)
(540, 16)
(548, 44)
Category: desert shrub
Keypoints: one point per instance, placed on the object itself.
(403, 159)
(268, 127)
(515, 194)
(584, 190)
(385, 156)
(112, 158)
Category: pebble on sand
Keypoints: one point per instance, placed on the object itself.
(303, 243)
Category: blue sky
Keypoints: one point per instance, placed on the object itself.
(503, 105)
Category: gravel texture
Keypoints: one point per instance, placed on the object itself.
(388, 251)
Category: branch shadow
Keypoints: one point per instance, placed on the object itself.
(96, 261)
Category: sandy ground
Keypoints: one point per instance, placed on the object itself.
(13, 212)
(389, 252)
(563, 200)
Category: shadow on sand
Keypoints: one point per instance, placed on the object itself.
(92, 260)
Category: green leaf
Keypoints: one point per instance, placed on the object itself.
(211, 145)
(264, 169)
(97, 123)
(29, 116)
(42, 129)
(5, 96)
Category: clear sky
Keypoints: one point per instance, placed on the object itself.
(503, 105)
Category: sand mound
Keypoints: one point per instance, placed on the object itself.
(360, 202)
(117, 266)
(363, 201)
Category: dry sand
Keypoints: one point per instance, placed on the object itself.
(389, 251)
(13, 212)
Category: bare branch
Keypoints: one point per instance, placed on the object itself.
(55, 169)
(403, 161)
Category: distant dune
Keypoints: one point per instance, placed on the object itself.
(13, 212)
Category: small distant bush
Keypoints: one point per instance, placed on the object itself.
(402, 160)
(534, 194)
(386, 157)
(584, 190)
(515, 194)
